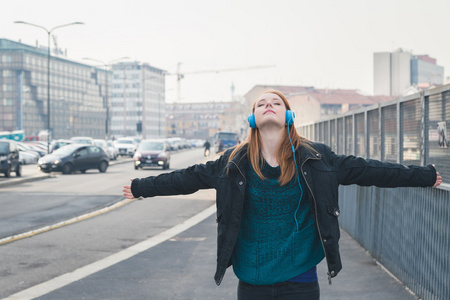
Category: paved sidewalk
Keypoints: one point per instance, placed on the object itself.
(361, 277)
(183, 267)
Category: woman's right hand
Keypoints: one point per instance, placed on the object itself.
(127, 191)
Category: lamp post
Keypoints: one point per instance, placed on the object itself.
(48, 69)
(106, 65)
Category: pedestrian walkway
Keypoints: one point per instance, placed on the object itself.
(183, 267)
(361, 277)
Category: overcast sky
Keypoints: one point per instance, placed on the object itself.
(325, 44)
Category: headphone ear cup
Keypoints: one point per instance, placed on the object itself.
(251, 121)
(290, 116)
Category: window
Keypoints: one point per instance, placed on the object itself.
(82, 152)
(6, 58)
(94, 150)
(7, 73)
(7, 88)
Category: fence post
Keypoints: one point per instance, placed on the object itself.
(399, 134)
(422, 128)
(354, 134)
(366, 135)
(381, 143)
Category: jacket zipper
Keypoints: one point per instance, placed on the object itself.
(315, 214)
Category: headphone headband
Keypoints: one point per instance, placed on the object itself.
(290, 116)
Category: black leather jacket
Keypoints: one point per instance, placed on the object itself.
(323, 172)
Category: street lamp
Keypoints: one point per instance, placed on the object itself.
(106, 65)
(48, 69)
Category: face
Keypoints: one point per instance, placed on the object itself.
(270, 110)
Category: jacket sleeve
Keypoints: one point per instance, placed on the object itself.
(367, 172)
(179, 182)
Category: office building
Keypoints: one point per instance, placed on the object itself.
(138, 100)
(395, 73)
(78, 97)
(201, 120)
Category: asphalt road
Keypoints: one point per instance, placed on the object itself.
(155, 248)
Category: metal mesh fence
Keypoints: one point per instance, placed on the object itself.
(406, 229)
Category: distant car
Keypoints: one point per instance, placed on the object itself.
(126, 146)
(35, 147)
(82, 140)
(74, 157)
(25, 148)
(136, 139)
(55, 145)
(224, 140)
(104, 145)
(27, 157)
(152, 153)
(9, 158)
(112, 151)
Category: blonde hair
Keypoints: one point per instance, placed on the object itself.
(284, 153)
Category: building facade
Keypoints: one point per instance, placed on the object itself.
(138, 101)
(425, 71)
(78, 97)
(396, 72)
(201, 120)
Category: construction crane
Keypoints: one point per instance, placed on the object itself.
(181, 75)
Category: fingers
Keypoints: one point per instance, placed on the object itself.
(438, 180)
(127, 192)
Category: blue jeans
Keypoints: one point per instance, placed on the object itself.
(279, 291)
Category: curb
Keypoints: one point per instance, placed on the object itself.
(18, 180)
(46, 228)
(26, 179)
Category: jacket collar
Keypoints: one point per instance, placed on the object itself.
(306, 153)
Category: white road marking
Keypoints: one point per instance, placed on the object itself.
(68, 278)
(63, 223)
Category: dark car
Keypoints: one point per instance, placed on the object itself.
(9, 158)
(74, 157)
(152, 153)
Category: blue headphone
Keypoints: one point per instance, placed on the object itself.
(290, 116)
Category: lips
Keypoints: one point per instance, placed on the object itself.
(268, 111)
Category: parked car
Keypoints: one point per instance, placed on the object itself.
(112, 151)
(27, 157)
(104, 145)
(82, 140)
(24, 147)
(175, 143)
(55, 145)
(35, 147)
(126, 146)
(136, 139)
(9, 158)
(74, 157)
(152, 153)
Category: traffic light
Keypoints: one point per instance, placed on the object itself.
(139, 126)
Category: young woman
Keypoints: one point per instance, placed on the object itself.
(277, 202)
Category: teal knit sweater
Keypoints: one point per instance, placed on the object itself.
(269, 249)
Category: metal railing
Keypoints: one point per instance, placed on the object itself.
(405, 229)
